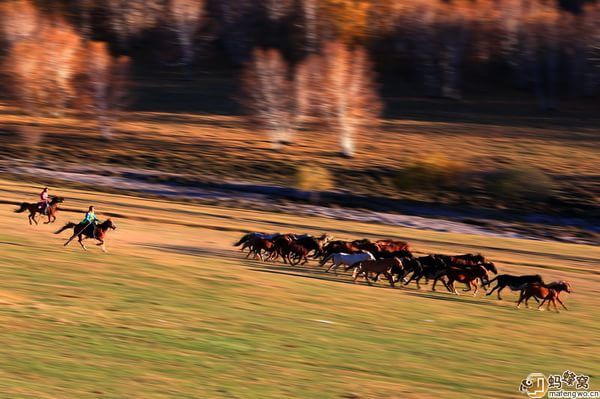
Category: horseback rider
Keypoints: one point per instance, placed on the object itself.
(44, 200)
(89, 219)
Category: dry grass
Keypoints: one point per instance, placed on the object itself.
(217, 147)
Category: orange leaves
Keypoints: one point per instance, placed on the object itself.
(43, 68)
(349, 18)
(53, 69)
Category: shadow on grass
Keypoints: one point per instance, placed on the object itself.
(187, 250)
(312, 272)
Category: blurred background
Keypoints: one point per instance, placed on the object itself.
(470, 110)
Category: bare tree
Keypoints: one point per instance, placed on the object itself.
(348, 98)
(104, 85)
(268, 95)
(186, 17)
(310, 9)
(542, 46)
(128, 18)
(278, 9)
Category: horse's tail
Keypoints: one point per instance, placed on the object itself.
(325, 260)
(242, 240)
(23, 208)
(66, 226)
(492, 280)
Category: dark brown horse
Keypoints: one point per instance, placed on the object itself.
(35, 208)
(468, 276)
(97, 232)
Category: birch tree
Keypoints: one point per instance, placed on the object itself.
(186, 17)
(268, 95)
(105, 85)
(348, 98)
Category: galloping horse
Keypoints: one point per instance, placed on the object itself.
(89, 231)
(34, 208)
(546, 292)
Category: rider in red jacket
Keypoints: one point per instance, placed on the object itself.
(45, 199)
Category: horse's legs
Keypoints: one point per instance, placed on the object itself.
(521, 297)
(452, 286)
(474, 283)
(334, 266)
(542, 304)
(499, 297)
(390, 278)
(80, 239)
(469, 287)
(355, 275)
(561, 304)
(101, 244)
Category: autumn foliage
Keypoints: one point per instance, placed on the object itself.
(54, 70)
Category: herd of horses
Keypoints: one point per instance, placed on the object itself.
(97, 232)
(394, 260)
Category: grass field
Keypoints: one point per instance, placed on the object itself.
(173, 311)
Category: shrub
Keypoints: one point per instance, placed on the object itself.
(313, 178)
(519, 182)
(432, 173)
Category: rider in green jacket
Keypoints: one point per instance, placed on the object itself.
(90, 217)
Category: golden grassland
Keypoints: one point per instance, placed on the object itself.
(174, 311)
(218, 146)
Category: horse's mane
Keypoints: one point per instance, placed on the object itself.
(556, 284)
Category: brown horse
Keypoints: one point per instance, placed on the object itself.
(34, 208)
(377, 267)
(257, 246)
(546, 292)
(468, 276)
(392, 245)
(80, 231)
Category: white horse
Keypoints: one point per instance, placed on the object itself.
(346, 259)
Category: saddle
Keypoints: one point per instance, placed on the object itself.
(89, 230)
